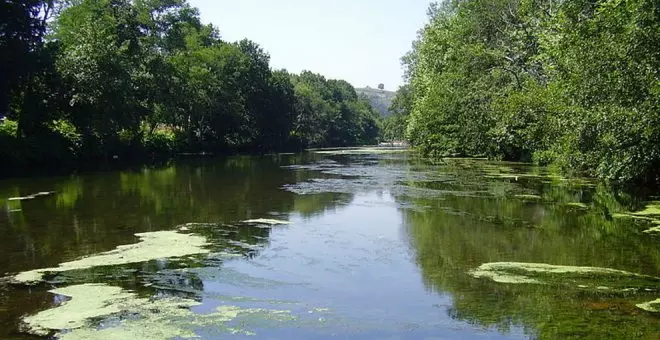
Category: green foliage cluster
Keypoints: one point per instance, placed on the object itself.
(93, 79)
(330, 113)
(567, 82)
(394, 126)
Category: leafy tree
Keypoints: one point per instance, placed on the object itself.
(394, 126)
(330, 113)
(91, 79)
(572, 83)
(22, 27)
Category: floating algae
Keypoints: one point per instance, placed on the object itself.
(650, 213)
(529, 197)
(517, 176)
(651, 209)
(152, 246)
(629, 215)
(124, 316)
(88, 301)
(32, 196)
(541, 273)
(653, 230)
(361, 151)
(266, 221)
(494, 272)
(192, 225)
(577, 205)
(651, 306)
(544, 177)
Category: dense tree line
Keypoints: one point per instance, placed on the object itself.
(90, 79)
(394, 126)
(573, 83)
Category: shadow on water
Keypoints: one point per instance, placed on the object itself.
(366, 227)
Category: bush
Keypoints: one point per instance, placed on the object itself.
(161, 142)
(8, 128)
(10, 148)
(66, 138)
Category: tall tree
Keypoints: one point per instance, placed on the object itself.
(572, 83)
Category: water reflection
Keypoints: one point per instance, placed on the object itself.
(93, 213)
(96, 212)
(459, 232)
(379, 245)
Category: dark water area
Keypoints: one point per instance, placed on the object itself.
(379, 245)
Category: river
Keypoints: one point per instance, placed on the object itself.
(361, 244)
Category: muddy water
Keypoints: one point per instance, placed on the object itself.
(378, 245)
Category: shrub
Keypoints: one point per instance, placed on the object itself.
(161, 142)
(66, 138)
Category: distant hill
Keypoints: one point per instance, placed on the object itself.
(380, 99)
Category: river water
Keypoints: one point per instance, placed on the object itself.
(380, 245)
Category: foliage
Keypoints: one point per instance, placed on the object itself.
(22, 25)
(394, 126)
(330, 113)
(8, 128)
(161, 141)
(66, 137)
(130, 78)
(8, 131)
(573, 83)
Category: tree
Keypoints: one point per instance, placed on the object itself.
(22, 28)
(137, 78)
(330, 113)
(394, 126)
(564, 82)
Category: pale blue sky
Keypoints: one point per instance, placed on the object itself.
(360, 41)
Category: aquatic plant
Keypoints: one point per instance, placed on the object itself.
(152, 246)
(582, 276)
(125, 315)
(266, 221)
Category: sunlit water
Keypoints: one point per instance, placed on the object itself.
(379, 246)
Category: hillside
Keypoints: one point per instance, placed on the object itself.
(380, 99)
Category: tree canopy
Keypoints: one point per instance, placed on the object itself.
(572, 83)
(91, 79)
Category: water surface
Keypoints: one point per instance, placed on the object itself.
(379, 245)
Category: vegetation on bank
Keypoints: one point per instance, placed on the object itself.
(394, 126)
(88, 80)
(571, 83)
